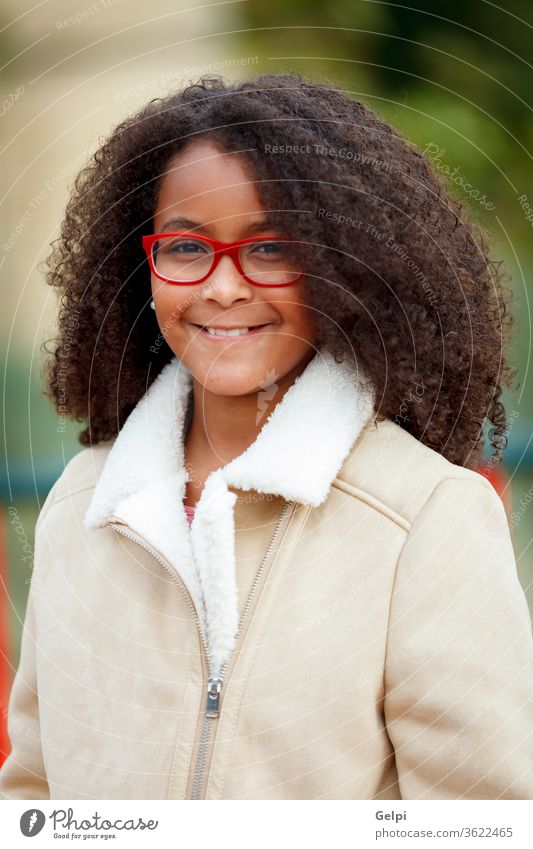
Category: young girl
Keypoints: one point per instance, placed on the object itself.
(273, 571)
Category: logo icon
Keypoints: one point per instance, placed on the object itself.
(32, 822)
(269, 389)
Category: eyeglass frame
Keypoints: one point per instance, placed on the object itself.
(219, 249)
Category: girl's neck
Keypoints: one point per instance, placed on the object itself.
(223, 426)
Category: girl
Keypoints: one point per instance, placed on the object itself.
(273, 571)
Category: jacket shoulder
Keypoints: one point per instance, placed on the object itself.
(390, 468)
(79, 474)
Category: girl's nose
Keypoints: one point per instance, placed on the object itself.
(226, 285)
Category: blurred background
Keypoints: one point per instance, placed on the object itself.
(455, 77)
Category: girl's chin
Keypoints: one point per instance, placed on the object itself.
(230, 385)
(233, 379)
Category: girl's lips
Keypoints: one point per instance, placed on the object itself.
(215, 338)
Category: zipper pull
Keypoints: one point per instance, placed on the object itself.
(214, 688)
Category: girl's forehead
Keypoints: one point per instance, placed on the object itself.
(206, 185)
(204, 167)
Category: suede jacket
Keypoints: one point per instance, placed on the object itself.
(342, 620)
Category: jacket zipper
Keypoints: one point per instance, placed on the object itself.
(214, 686)
(214, 683)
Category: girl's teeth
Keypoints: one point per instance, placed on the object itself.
(237, 331)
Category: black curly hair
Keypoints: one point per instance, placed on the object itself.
(405, 281)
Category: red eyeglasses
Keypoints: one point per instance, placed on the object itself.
(185, 260)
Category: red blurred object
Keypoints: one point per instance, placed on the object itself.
(499, 478)
(5, 643)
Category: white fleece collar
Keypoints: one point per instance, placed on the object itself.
(297, 455)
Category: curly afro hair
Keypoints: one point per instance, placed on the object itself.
(395, 273)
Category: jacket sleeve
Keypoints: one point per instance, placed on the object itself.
(23, 774)
(459, 664)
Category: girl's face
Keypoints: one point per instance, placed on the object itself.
(211, 193)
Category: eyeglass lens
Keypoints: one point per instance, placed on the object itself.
(187, 259)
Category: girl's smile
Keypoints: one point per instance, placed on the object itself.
(218, 333)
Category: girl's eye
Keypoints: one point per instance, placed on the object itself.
(183, 246)
(266, 247)
(268, 250)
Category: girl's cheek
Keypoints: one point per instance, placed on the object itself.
(170, 310)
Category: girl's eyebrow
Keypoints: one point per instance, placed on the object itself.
(187, 224)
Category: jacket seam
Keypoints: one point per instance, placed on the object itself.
(483, 484)
(391, 514)
(373, 502)
(57, 499)
(387, 632)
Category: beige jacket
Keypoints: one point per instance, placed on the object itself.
(342, 621)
